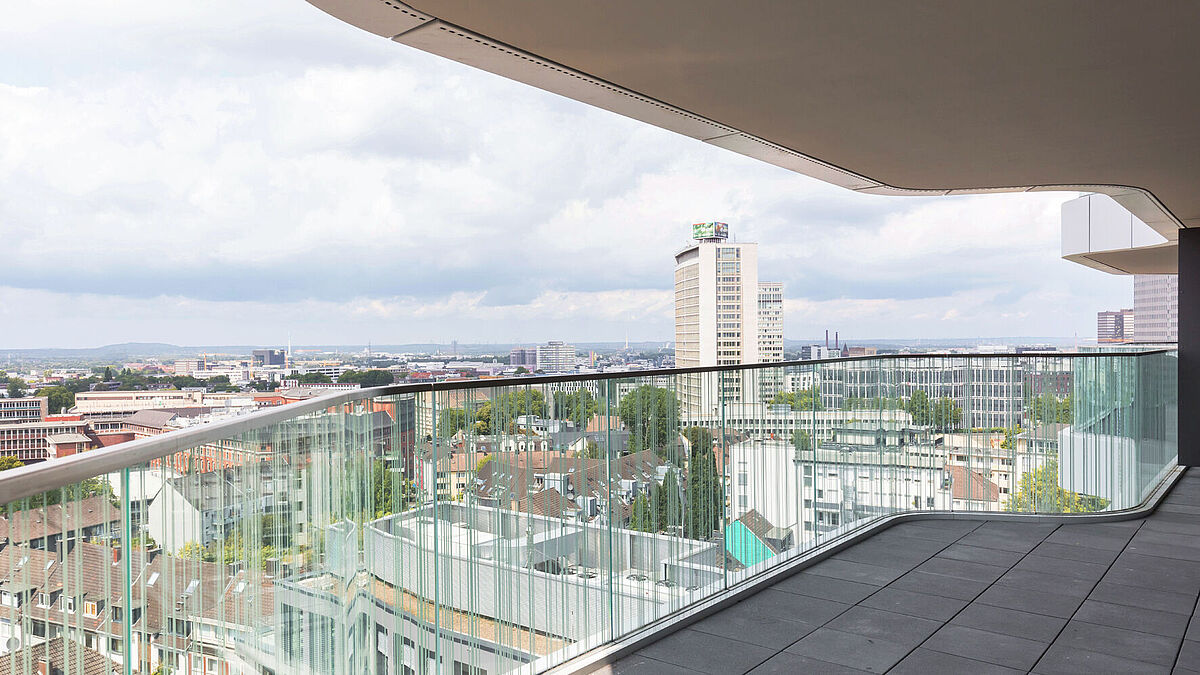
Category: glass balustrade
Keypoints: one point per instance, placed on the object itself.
(504, 526)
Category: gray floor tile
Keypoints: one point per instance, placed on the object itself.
(962, 569)
(1189, 655)
(706, 652)
(784, 605)
(1026, 625)
(1174, 551)
(828, 588)
(987, 556)
(1072, 552)
(1103, 542)
(1177, 601)
(1076, 569)
(1060, 659)
(938, 584)
(1193, 629)
(1003, 650)
(849, 649)
(921, 530)
(1132, 618)
(1050, 583)
(877, 623)
(636, 664)
(852, 571)
(1019, 528)
(1126, 644)
(1001, 540)
(787, 663)
(1154, 572)
(885, 556)
(916, 604)
(755, 628)
(1036, 602)
(928, 662)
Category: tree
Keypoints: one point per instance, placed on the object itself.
(367, 378)
(705, 495)
(522, 370)
(451, 421)
(315, 378)
(947, 415)
(1038, 491)
(9, 462)
(920, 408)
(805, 399)
(650, 413)
(59, 399)
(483, 461)
(698, 438)
(192, 550)
(801, 440)
(1010, 438)
(262, 385)
(16, 387)
(1049, 408)
(591, 449)
(108, 374)
(642, 518)
(578, 406)
(668, 502)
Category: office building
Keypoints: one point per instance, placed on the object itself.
(1115, 326)
(269, 357)
(555, 357)
(24, 409)
(723, 315)
(1156, 307)
(525, 357)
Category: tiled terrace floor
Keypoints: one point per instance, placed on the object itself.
(953, 596)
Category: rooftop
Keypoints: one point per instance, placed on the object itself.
(977, 596)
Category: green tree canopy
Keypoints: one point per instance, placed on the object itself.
(920, 407)
(805, 399)
(450, 421)
(314, 378)
(650, 414)
(1038, 491)
(642, 517)
(705, 494)
(59, 399)
(1049, 408)
(578, 406)
(947, 415)
(367, 378)
(9, 462)
(16, 387)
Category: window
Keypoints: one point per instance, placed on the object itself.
(43, 600)
(68, 604)
(90, 609)
(210, 666)
(114, 645)
(461, 668)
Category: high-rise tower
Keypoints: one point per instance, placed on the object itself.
(720, 312)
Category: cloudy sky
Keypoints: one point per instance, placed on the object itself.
(227, 172)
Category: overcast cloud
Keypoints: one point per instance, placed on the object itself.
(231, 173)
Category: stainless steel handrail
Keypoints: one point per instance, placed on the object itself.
(33, 479)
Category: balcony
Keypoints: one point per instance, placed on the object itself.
(861, 512)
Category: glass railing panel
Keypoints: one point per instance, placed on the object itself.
(493, 527)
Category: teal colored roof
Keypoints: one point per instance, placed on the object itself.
(742, 544)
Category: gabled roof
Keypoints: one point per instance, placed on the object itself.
(63, 655)
(967, 484)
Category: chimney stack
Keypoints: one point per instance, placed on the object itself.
(826, 338)
(116, 554)
(43, 666)
(835, 340)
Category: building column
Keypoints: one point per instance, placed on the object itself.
(1189, 347)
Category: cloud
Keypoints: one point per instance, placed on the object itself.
(218, 169)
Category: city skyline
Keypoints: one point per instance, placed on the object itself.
(363, 189)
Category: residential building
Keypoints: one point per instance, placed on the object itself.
(1115, 326)
(1156, 307)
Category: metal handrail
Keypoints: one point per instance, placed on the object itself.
(34, 479)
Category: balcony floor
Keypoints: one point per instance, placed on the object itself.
(955, 596)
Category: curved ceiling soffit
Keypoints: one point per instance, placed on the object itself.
(403, 24)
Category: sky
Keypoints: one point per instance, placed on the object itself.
(241, 172)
